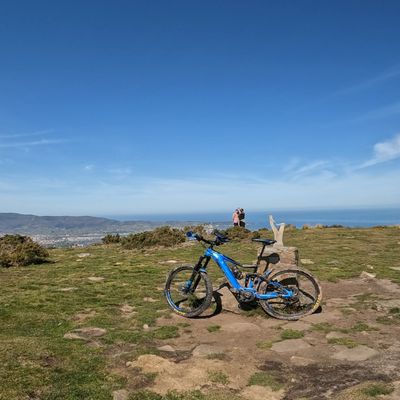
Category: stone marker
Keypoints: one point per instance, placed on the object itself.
(278, 230)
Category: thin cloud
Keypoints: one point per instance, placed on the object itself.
(312, 168)
(383, 112)
(41, 142)
(316, 165)
(384, 151)
(27, 134)
(370, 83)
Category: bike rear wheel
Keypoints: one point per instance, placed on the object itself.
(188, 292)
(306, 299)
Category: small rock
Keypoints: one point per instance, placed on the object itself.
(94, 345)
(333, 262)
(206, 349)
(91, 331)
(149, 299)
(121, 394)
(118, 263)
(83, 255)
(126, 308)
(301, 361)
(306, 261)
(290, 346)
(67, 289)
(171, 262)
(73, 336)
(359, 353)
(146, 327)
(229, 303)
(395, 268)
(83, 316)
(367, 275)
(96, 278)
(85, 333)
(167, 348)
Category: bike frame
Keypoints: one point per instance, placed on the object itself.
(221, 260)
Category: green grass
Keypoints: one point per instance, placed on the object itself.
(213, 328)
(266, 379)
(362, 327)
(377, 389)
(323, 327)
(291, 334)
(218, 377)
(35, 313)
(217, 356)
(265, 344)
(191, 395)
(348, 342)
(391, 318)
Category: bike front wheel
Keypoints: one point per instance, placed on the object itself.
(307, 294)
(188, 292)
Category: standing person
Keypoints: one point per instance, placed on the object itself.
(235, 218)
(241, 217)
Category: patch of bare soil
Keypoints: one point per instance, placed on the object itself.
(348, 343)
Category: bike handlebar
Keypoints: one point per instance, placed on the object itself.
(220, 238)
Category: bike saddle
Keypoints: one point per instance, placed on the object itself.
(267, 242)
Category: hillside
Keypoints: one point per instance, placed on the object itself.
(33, 224)
(94, 323)
(64, 231)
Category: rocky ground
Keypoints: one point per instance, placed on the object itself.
(348, 348)
(93, 324)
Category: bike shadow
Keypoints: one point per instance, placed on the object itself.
(217, 309)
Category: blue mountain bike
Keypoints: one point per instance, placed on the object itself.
(288, 294)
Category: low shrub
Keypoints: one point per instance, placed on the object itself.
(238, 233)
(163, 236)
(110, 238)
(200, 229)
(18, 250)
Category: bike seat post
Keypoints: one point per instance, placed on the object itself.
(259, 258)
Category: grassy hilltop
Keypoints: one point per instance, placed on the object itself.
(119, 292)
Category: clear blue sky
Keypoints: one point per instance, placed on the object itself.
(127, 107)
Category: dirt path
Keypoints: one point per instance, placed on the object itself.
(336, 353)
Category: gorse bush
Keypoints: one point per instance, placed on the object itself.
(163, 236)
(17, 250)
(200, 229)
(110, 238)
(237, 233)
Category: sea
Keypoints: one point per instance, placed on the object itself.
(259, 219)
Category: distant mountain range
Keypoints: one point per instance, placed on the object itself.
(34, 224)
(73, 231)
